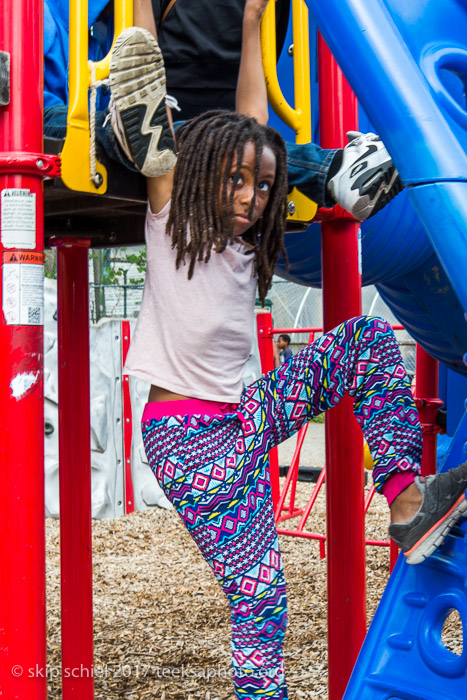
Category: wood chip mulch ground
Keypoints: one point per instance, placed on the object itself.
(162, 624)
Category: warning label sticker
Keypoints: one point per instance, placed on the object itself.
(23, 288)
(18, 220)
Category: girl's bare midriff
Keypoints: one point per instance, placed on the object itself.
(156, 393)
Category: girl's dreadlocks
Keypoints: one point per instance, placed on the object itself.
(207, 146)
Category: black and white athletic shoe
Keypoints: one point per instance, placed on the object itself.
(137, 105)
(366, 179)
(443, 504)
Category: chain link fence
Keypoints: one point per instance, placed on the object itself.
(295, 306)
(114, 301)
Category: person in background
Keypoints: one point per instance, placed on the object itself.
(282, 351)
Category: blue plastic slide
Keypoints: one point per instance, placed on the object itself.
(407, 63)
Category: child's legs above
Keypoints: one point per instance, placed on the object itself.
(308, 168)
(361, 357)
(222, 492)
(55, 121)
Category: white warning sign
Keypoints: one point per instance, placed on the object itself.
(18, 221)
(23, 288)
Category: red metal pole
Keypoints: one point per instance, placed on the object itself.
(75, 468)
(266, 354)
(22, 537)
(127, 423)
(344, 443)
(426, 393)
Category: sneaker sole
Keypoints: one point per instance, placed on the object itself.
(435, 537)
(137, 82)
(377, 191)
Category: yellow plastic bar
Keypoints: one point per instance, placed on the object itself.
(123, 18)
(298, 117)
(75, 156)
(301, 65)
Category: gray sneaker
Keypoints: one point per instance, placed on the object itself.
(442, 506)
(137, 105)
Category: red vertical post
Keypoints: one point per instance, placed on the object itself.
(127, 422)
(22, 538)
(428, 403)
(266, 354)
(344, 442)
(75, 468)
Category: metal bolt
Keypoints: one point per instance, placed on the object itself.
(290, 50)
(97, 180)
(40, 163)
(291, 208)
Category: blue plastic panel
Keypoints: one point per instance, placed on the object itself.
(406, 62)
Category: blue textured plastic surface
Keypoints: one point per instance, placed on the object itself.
(403, 655)
(425, 303)
(394, 54)
(442, 206)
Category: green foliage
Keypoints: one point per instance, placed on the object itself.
(114, 262)
(50, 266)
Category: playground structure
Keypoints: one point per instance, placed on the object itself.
(380, 39)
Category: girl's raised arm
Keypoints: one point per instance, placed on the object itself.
(251, 96)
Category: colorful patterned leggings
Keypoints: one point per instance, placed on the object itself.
(214, 470)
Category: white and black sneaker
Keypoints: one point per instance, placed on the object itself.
(366, 179)
(137, 106)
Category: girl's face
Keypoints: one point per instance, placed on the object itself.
(242, 180)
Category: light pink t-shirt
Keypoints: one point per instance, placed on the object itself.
(193, 337)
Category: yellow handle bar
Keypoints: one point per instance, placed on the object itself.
(76, 151)
(297, 118)
(123, 18)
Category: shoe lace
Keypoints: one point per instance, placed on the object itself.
(172, 102)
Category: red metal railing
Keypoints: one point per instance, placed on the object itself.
(289, 511)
